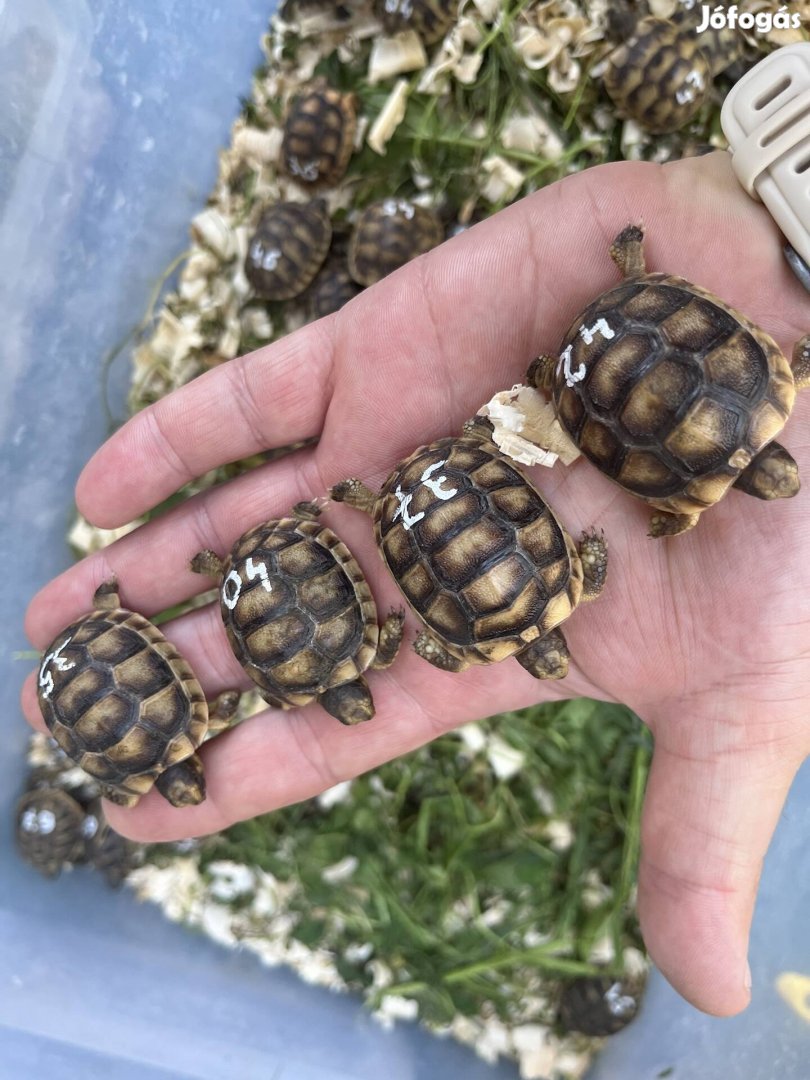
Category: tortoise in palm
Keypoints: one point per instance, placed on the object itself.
(125, 706)
(673, 394)
(479, 555)
(300, 617)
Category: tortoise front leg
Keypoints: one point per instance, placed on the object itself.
(541, 372)
(431, 649)
(547, 657)
(771, 474)
(183, 784)
(801, 363)
(663, 523)
(350, 703)
(593, 551)
(627, 251)
(221, 711)
(354, 493)
(390, 640)
(207, 563)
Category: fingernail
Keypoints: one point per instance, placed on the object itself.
(748, 977)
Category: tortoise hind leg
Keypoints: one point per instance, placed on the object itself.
(593, 551)
(221, 711)
(547, 657)
(771, 474)
(350, 703)
(390, 640)
(663, 523)
(801, 363)
(120, 798)
(106, 598)
(431, 649)
(627, 251)
(183, 784)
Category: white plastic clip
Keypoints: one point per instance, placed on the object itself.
(766, 119)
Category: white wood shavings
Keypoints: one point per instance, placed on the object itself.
(87, 538)
(504, 180)
(212, 230)
(452, 59)
(526, 428)
(662, 9)
(560, 834)
(333, 795)
(537, 1050)
(489, 10)
(256, 323)
(532, 133)
(254, 145)
(505, 760)
(173, 338)
(396, 55)
(390, 117)
(227, 347)
(396, 1007)
(340, 871)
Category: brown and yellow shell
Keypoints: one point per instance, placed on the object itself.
(388, 234)
(333, 287)
(106, 850)
(120, 700)
(49, 829)
(288, 249)
(431, 19)
(660, 77)
(319, 135)
(669, 391)
(476, 551)
(297, 610)
(721, 46)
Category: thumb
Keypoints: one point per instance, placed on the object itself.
(712, 803)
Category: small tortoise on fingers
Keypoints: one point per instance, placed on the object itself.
(480, 557)
(288, 249)
(319, 135)
(125, 706)
(673, 394)
(300, 617)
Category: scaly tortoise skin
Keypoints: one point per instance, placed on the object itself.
(300, 617)
(49, 830)
(125, 706)
(431, 19)
(673, 394)
(288, 249)
(388, 234)
(319, 135)
(660, 77)
(480, 557)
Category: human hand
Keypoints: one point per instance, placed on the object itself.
(706, 636)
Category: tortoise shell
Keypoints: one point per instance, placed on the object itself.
(288, 249)
(431, 19)
(669, 391)
(476, 551)
(297, 610)
(388, 234)
(106, 850)
(49, 829)
(660, 78)
(721, 46)
(332, 288)
(120, 700)
(597, 1005)
(319, 135)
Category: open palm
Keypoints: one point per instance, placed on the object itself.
(706, 636)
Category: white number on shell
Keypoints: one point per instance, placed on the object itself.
(232, 585)
(61, 664)
(433, 485)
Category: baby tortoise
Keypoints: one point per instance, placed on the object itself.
(49, 830)
(288, 249)
(660, 77)
(300, 616)
(106, 850)
(431, 19)
(673, 394)
(479, 555)
(598, 1005)
(333, 287)
(388, 234)
(319, 135)
(124, 705)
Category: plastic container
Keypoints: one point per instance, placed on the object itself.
(112, 114)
